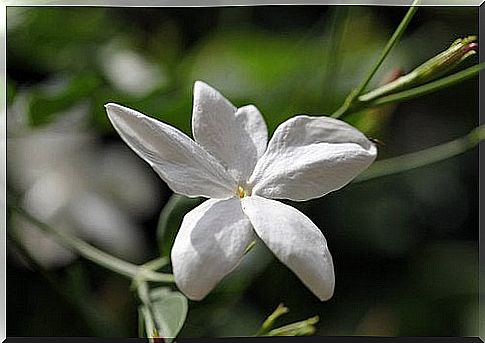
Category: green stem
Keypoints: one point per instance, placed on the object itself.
(421, 90)
(390, 44)
(387, 49)
(95, 255)
(405, 81)
(142, 292)
(424, 157)
(156, 264)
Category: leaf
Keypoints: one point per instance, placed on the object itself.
(159, 292)
(169, 311)
(171, 218)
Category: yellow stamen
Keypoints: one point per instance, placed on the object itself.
(241, 192)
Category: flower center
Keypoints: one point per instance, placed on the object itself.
(242, 192)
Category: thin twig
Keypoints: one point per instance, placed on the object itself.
(424, 89)
(387, 49)
(94, 254)
(399, 164)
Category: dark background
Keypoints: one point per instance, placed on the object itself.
(405, 247)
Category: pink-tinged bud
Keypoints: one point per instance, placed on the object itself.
(433, 68)
(460, 50)
(472, 46)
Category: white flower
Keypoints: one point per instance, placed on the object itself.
(232, 163)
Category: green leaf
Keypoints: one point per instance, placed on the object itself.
(159, 292)
(169, 311)
(171, 218)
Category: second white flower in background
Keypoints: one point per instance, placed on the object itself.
(231, 162)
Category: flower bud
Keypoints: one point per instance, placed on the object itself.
(433, 68)
(460, 50)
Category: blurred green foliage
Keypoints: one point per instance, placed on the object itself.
(405, 247)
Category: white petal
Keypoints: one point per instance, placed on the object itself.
(253, 122)
(186, 167)
(226, 132)
(308, 157)
(211, 242)
(295, 241)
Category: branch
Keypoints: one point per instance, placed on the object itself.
(95, 255)
(396, 165)
(424, 89)
(390, 44)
